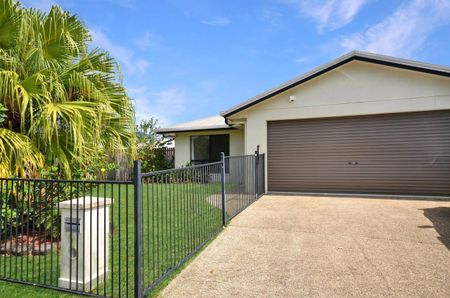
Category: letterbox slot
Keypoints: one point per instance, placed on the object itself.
(72, 224)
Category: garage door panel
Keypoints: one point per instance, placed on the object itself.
(435, 136)
(398, 153)
(369, 134)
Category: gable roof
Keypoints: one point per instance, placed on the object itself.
(210, 123)
(351, 56)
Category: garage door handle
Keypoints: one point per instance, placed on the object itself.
(352, 163)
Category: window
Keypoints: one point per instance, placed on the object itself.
(206, 149)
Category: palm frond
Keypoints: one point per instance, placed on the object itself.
(18, 155)
(10, 23)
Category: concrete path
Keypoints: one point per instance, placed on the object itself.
(292, 246)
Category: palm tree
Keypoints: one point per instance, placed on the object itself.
(65, 103)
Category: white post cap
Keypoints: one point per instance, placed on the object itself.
(85, 202)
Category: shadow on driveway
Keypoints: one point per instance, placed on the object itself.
(440, 217)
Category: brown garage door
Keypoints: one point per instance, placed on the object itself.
(406, 153)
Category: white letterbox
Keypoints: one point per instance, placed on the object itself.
(84, 242)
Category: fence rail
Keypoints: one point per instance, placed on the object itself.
(39, 216)
(180, 213)
(244, 182)
(119, 238)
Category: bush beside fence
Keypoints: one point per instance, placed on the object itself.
(179, 211)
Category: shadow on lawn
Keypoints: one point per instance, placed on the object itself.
(440, 217)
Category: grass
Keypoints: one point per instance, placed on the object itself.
(176, 218)
(15, 290)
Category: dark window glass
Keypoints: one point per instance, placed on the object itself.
(200, 148)
(218, 144)
(206, 149)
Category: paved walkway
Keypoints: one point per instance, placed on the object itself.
(294, 246)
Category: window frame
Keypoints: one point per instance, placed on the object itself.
(192, 161)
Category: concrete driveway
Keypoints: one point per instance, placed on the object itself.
(295, 246)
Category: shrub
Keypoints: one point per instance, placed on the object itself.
(152, 148)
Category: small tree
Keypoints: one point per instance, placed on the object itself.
(151, 146)
(66, 104)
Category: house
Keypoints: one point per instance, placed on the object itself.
(362, 123)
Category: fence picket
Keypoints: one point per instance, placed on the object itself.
(103, 238)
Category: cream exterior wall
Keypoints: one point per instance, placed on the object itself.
(356, 88)
(183, 144)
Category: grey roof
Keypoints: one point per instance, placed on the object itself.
(210, 123)
(354, 55)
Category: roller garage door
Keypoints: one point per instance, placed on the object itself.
(407, 153)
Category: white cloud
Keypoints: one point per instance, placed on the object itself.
(124, 55)
(272, 17)
(141, 65)
(171, 101)
(217, 21)
(165, 105)
(405, 31)
(330, 14)
(138, 90)
(144, 42)
(302, 60)
(170, 105)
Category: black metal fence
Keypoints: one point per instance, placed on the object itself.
(48, 236)
(180, 213)
(244, 176)
(119, 238)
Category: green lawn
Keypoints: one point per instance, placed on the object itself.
(14, 290)
(177, 218)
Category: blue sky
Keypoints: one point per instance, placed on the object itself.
(187, 59)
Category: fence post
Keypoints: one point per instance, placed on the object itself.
(222, 179)
(137, 181)
(256, 171)
(263, 174)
